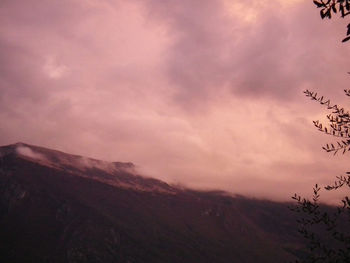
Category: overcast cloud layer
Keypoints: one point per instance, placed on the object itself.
(202, 93)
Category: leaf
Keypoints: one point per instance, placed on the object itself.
(341, 8)
(318, 4)
(346, 39)
(334, 8)
(328, 13)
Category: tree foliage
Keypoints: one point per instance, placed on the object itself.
(338, 126)
(329, 7)
(327, 229)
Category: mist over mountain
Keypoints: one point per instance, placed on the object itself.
(58, 207)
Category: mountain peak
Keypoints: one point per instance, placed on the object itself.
(120, 174)
(57, 207)
(39, 153)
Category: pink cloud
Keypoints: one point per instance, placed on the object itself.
(189, 91)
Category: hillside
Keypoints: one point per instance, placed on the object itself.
(57, 207)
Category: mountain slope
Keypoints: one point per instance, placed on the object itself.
(56, 207)
(115, 173)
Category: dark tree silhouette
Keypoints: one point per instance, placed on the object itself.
(327, 229)
(329, 7)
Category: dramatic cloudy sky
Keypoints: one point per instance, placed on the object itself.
(202, 93)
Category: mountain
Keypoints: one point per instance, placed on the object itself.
(58, 207)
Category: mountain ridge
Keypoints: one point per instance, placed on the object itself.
(121, 174)
(61, 215)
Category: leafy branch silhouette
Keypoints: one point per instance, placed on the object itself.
(334, 6)
(326, 229)
(339, 123)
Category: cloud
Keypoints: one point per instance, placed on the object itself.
(202, 93)
(216, 47)
(26, 151)
(53, 69)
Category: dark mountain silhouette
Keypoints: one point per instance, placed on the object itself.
(57, 207)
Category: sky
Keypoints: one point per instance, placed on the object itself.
(205, 94)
